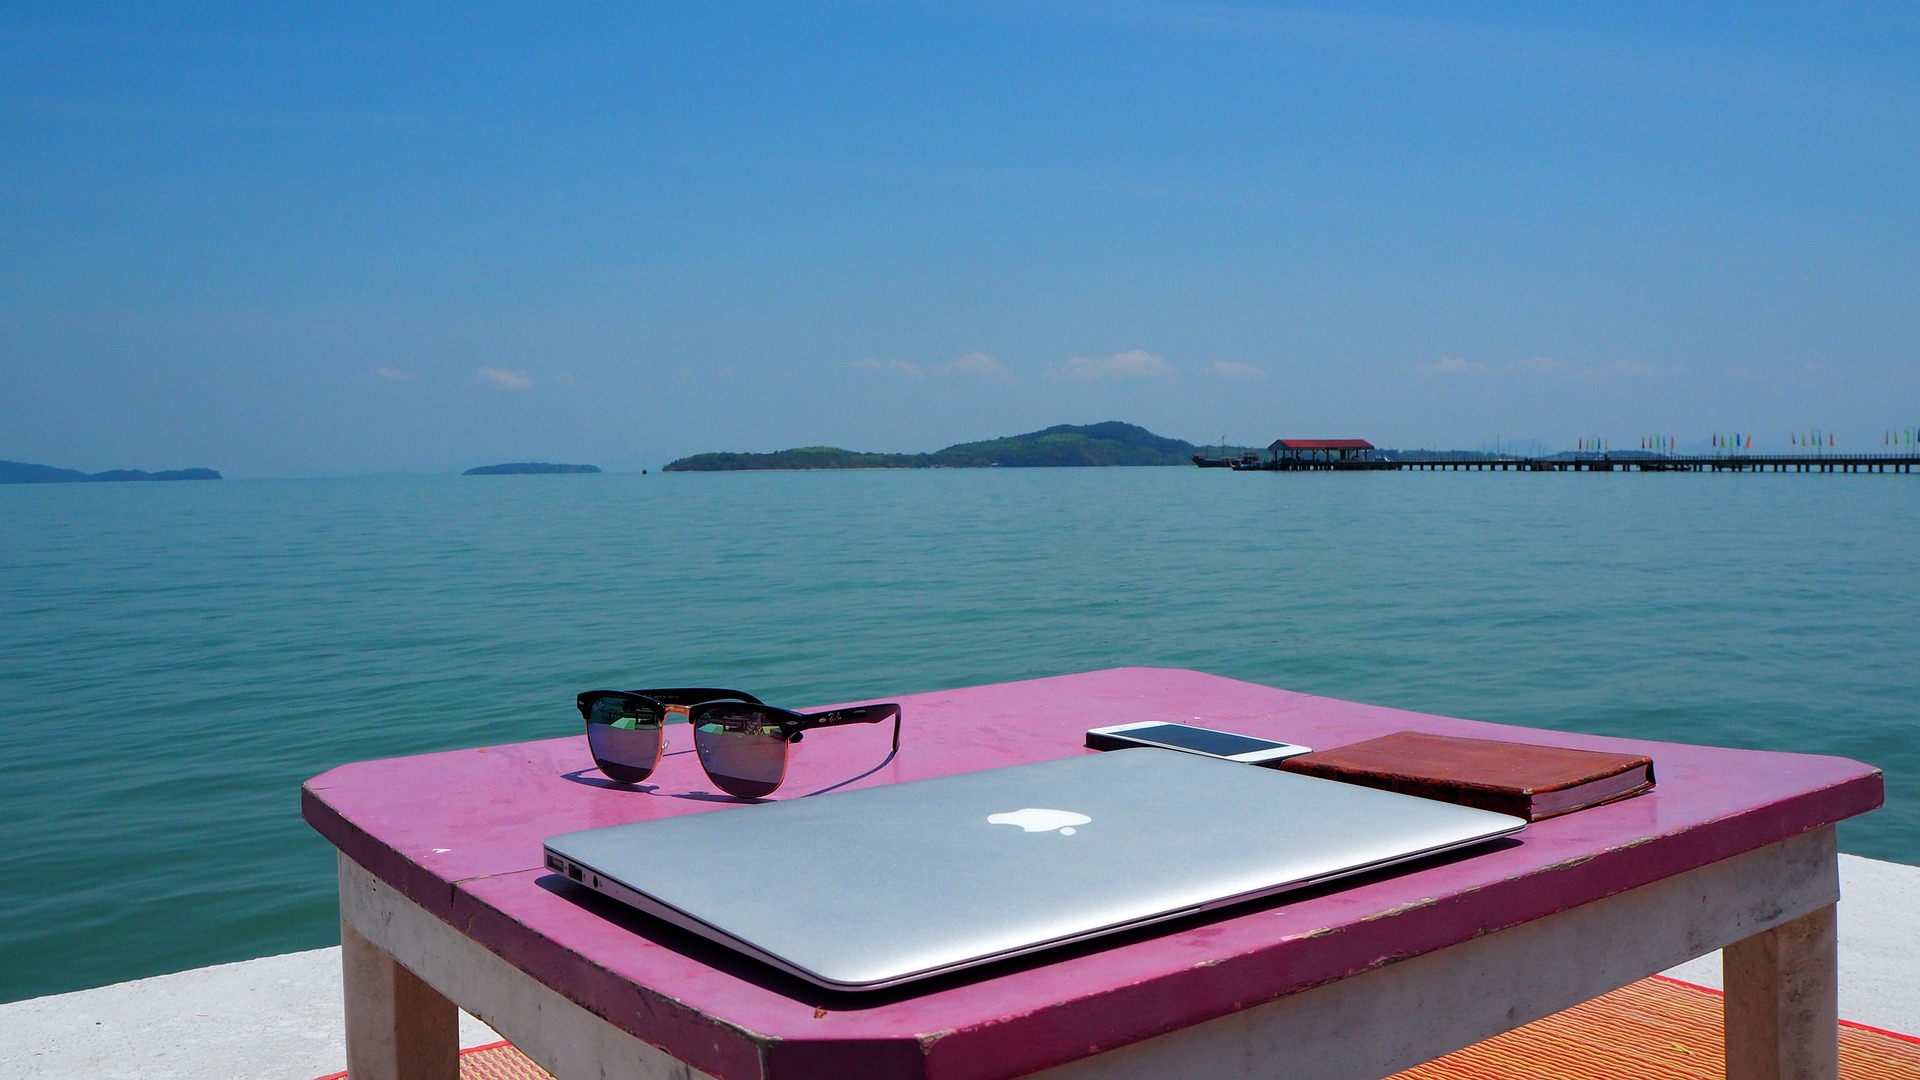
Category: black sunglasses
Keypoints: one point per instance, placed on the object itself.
(742, 740)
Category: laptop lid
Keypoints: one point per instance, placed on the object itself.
(879, 886)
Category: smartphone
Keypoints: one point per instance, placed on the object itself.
(1193, 740)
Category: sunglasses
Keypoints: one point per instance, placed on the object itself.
(742, 740)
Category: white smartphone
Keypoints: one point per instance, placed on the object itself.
(1194, 740)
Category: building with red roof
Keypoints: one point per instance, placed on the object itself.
(1303, 450)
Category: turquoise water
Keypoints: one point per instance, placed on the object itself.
(179, 657)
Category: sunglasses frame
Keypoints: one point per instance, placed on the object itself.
(687, 700)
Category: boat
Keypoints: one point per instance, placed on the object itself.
(1209, 461)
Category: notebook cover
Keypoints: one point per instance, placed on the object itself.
(1522, 779)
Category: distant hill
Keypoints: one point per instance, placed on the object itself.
(20, 472)
(805, 457)
(528, 468)
(1109, 443)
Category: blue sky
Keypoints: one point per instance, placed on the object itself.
(346, 239)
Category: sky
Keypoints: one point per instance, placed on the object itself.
(339, 239)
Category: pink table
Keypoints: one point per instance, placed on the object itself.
(444, 901)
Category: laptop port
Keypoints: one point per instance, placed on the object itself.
(573, 872)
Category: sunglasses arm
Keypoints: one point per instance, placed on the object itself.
(863, 714)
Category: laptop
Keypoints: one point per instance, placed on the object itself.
(875, 887)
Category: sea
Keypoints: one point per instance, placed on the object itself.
(176, 658)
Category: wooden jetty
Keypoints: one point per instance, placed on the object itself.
(1803, 463)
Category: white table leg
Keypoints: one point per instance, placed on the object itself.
(557, 1034)
(398, 1027)
(1398, 1015)
(1783, 1001)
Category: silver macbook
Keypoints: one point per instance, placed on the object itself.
(876, 887)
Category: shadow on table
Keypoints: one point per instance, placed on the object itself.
(747, 969)
(592, 778)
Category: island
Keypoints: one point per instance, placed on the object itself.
(21, 472)
(528, 468)
(1109, 443)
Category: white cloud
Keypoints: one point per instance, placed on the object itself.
(1454, 365)
(975, 363)
(395, 374)
(1233, 369)
(1134, 364)
(504, 379)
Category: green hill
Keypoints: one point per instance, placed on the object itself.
(805, 457)
(1110, 443)
(21, 472)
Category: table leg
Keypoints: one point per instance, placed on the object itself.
(1783, 1001)
(1400, 1014)
(398, 1027)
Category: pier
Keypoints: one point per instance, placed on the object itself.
(1601, 462)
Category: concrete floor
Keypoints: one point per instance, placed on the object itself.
(276, 1018)
(280, 1017)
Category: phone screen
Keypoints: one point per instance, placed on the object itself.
(1220, 743)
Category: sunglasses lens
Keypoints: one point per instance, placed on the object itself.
(742, 748)
(625, 738)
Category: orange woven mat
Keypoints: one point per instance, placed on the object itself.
(494, 1061)
(1655, 1029)
(499, 1062)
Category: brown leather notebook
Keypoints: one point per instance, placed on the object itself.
(1521, 779)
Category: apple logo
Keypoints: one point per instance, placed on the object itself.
(1034, 819)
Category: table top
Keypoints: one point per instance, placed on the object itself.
(460, 833)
